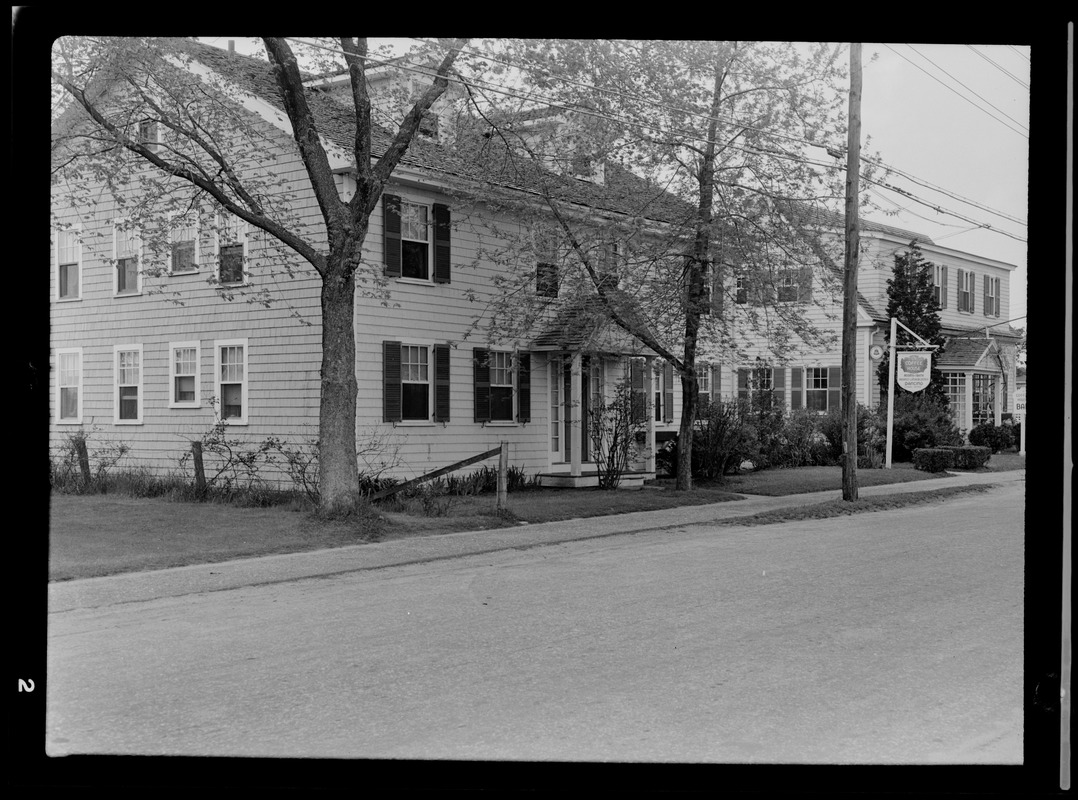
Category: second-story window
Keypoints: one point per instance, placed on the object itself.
(939, 284)
(231, 249)
(127, 246)
(183, 245)
(68, 259)
(415, 241)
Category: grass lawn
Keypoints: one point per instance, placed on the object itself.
(92, 535)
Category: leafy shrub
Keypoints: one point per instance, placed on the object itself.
(932, 459)
(81, 466)
(996, 439)
(920, 422)
(969, 457)
(802, 442)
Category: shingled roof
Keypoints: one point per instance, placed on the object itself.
(622, 193)
(584, 324)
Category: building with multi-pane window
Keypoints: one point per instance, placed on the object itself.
(154, 346)
(974, 292)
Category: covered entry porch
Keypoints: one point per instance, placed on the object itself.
(593, 366)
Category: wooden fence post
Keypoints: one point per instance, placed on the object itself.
(503, 477)
(84, 460)
(200, 473)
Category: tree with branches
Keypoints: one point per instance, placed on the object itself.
(211, 144)
(723, 128)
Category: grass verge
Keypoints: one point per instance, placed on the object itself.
(842, 508)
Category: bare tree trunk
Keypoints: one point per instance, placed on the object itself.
(338, 474)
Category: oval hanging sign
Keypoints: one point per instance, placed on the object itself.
(914, 371)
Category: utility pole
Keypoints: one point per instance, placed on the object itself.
(849, 303)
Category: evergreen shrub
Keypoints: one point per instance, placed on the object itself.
(969, 456)
(996, 439)
(933, 459)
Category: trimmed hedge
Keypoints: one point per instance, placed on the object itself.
(969, 457)
(933, 459)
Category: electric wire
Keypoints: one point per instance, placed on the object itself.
(952, 89)
(1002, 69)
(533, 97)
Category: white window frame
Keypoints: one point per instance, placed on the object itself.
(503, 356)
(244, 382)
(117, 385)
(174, 226)
(741, 291)
(60, 386)
(133, 235)
(994, 285)
(76, 235)
(173, 402)
(429, 241)
(153, 140)
(230, 223)
(937, 284)
(966, 288)
(810, 388)
(556, 401)
(703, 378)
(428, 349)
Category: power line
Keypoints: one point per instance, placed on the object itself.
(502, 89)
(967, 88)
(952, 89)
(691, 136)
(1010, 75)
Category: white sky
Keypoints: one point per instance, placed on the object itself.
(921, 112)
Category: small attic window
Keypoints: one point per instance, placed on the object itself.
(428, 125)
(147, 134)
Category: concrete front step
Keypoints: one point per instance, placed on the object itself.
(564, 480)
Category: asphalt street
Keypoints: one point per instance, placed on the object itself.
(892, 637)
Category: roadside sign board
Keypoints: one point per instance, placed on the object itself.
(1020, 402)
(914, 370)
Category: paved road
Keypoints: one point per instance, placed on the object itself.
(893, 637)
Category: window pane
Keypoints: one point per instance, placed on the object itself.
(232, 364)
(183, 255)
(68, 247)
(69, 280)
(69, 403)
(232, 263)
(415, 401)
(185, 389)
(231, 400)
(414, 259)
(129, 367)
(127, 275)
(414, 222)
(128, 402)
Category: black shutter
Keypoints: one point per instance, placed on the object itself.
(998, 296)
(804, 285)
(972, 291)
(778, 383)
(834, 388)
(391, 381)
(987, 296)
(636, 382)
(943, 288)
(391, 234)
(796, 374)
(524, 387)
(481, 382)
(441, 383)
(716, 384)
(668, 393)
(441, 243)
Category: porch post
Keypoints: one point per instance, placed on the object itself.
(967, 416)
(575, 408)
(997, 404)
(649, 410)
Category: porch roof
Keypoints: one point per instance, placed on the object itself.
(966, 353)
(587, 324)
